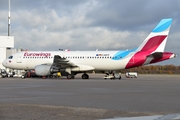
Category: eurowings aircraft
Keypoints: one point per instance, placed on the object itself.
(69, 63)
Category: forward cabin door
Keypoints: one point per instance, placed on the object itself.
(19, 58)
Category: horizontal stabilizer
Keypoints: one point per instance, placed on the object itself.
(156, 55)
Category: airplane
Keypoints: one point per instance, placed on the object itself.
(70, 63)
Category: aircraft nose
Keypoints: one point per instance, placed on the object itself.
(5, 63)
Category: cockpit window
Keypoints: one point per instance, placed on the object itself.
(10, 57)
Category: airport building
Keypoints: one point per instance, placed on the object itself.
(6, 48)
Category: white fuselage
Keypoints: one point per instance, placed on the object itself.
(99, 60)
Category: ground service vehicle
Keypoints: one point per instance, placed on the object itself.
(3, 73)
(113, 76)
(131, 75)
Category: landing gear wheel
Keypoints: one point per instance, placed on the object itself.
(85, 76)
(70, 76)
(22, 76)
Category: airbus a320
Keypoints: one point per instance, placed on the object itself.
(70, 63)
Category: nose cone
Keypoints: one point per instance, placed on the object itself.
(5, 63)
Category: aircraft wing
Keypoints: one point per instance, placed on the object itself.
(65, 63)
(62, 62)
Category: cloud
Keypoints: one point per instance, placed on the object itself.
(132, 15)
(87, 24)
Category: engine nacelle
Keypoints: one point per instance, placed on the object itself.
(45, 70)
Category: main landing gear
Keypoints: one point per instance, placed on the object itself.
(72, 76)
(85, 76)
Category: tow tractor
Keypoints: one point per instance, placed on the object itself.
(3, 73)
(112, 76)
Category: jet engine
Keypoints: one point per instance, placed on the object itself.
(45, 70)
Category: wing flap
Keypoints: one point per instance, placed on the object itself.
(64, 63)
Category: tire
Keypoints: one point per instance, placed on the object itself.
(85, 76)
(69, 76)
(22, 76)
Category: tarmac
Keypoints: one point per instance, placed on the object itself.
(95, 98)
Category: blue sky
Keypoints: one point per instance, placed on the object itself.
(89, 24)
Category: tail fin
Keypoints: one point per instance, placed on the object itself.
(152, 48)
(156, 40)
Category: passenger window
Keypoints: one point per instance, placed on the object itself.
(10, 57)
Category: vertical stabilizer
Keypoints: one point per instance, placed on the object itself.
(152, 48)
(156, 40)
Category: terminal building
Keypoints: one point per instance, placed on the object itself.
(6, 48)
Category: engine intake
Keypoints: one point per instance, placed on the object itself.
(44, 70)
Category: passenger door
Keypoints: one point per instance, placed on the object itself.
(19, 58)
